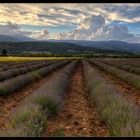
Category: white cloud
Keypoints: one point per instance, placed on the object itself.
(28, 13)
(42, 35)
(92, 20)
(95, 28)
(91, 28)
(12, 29)
(135, 39)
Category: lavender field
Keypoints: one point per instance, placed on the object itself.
(70, 97)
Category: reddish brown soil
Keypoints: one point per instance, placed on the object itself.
(11, 101)
(77, 117)
(127, 90)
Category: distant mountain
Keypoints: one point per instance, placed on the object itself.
(15, 38)
(20, 44)
(111, 45)
(54, 48)
(7, 38)
(22, 38)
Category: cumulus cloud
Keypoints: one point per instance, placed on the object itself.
(118, 32)
(95, 28)
(42, 35)
(91, 28)
(9, 28)
(91, 20)
(92, 23)
(12, 29)
(135, 39)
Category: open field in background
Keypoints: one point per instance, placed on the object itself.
(72, 96)
(21, 59)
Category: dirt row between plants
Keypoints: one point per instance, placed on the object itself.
(11, 101)
(128, 91)
(77, 117)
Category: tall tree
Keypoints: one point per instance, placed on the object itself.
(4, 52)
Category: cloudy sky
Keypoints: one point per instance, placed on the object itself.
(72, 21)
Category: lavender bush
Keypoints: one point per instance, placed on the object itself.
(123, 65)
(130, 78)
(19, 82)
(30, 119)
(120, 115)
(13, 65)
(18, 71)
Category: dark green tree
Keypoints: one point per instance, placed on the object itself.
(4, 52)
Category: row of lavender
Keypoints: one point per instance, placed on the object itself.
(21, 81)
(124, 61)
(25, 68)
(7, 63)
(30, 119)
(128, 77)
(122, 65)
(13, 65)
(120, 115)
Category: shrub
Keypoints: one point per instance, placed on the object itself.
(21, 81)
(120, 115)
(17, 71)
(124, 64)
(30, 119)
(130, 78)
(27, 121)
(46, 104)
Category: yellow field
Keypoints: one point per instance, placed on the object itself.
(10, 58)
